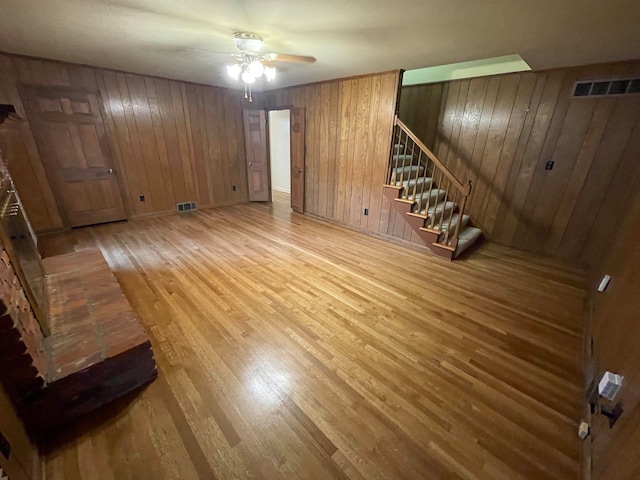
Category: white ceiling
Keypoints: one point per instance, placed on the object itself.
(191, 39)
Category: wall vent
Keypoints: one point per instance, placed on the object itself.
(601, 88)
(187, 207)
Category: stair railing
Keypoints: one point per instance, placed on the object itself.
(426, 181)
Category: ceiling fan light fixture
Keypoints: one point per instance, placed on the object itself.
(234, 71)
(252, 63)
(269, 73)
(247, 77)
(248, 42)
(256, 68)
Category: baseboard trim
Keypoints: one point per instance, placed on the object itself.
(152, 214)
(380, 236)
(171, 212)
(283, 190)
(52, 231)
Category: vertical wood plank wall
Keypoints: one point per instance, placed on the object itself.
(500, 131)
(616, 335)
(348, 133)
(172, 141)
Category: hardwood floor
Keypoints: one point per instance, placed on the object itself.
(289, 348)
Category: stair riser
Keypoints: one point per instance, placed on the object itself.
(391, 192)
(402, 206)
(442, 252)
(415, 222)
(428, 238)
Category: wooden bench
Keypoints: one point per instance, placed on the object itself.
(97, 350)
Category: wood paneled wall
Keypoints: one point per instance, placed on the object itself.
(172, 141)
(348, 135)
(24, 461)
(616, 336)
(500, 132)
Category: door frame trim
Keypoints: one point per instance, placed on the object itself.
(287, 107)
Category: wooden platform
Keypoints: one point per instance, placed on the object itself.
(97, 350)
(90, 318)
(293, 349)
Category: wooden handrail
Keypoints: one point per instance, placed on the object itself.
(465, 190)
(440, 193)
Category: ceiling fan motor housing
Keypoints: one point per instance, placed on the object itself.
(249, 42)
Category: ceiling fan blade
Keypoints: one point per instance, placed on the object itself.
(283, 57)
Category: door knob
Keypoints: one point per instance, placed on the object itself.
(300, 170)
(250, 163)
(110, 171)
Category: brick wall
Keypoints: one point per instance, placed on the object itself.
(22, 316)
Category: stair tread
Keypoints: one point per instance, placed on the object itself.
(427, 194)
(403, 156)
(454, 221)
(417, 181)
(445, 224)
(430, 197)
(411, 171)
(468, 237)
(438, 208)
(408, 168)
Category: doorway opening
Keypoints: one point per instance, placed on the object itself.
(275, 155)
(280, 155)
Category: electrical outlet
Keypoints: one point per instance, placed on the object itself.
(142, 198)
(366, 211)
(234, 188)
(5, 448)
(549, 165)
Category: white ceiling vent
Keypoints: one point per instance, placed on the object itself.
(601, 88)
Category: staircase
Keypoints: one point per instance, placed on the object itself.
(429, 196)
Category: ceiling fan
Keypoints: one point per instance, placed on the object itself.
(252, 63)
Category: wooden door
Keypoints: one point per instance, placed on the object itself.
(297, 159)
(255, 138)
(71, 138)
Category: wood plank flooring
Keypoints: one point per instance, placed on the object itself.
(289, 348)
